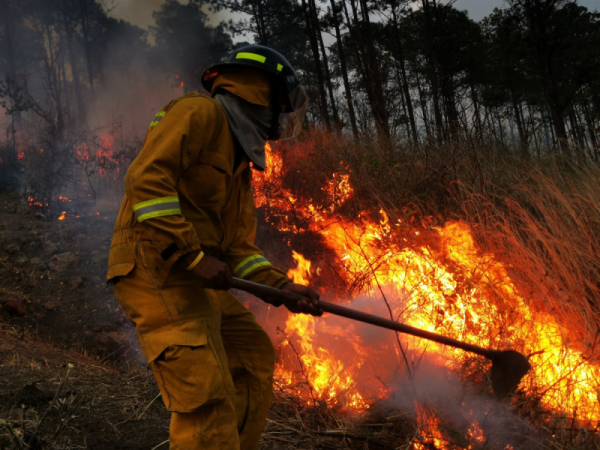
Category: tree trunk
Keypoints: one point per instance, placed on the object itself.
(317, 26)
(317, 63)
(8, 21)
(69, 31)
(475, 98)
(515, 105)
(259, 17)
(432, 72)
(344, 68)
(404, 80)
(358, 52)
(85, 30)
(423, 102)
(558, 121)
(376, 80)
(591, 132)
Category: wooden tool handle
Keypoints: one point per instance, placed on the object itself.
(261, 290)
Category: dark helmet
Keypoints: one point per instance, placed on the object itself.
(267, 59)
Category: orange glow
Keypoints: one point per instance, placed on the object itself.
(63, 215)
(434, 277)
(33, 202)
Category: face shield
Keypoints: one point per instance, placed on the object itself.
(290, 121)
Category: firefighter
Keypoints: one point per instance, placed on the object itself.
(186, 224)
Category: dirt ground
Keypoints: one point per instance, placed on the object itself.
(56, 310)
(57, 315)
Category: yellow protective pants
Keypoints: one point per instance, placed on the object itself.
(211, 359)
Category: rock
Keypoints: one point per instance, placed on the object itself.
(38, 264)
(5, 267)
(50, 248)
(76, 282)
(12, 249)
(76, 229)
(63, 261)
(21, 261)
(51, 306)
(15, 308)
(40, 216)
(112, 342)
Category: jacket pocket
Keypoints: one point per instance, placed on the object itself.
(184, 365)
(121, 261)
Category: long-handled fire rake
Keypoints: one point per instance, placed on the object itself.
(508, 366)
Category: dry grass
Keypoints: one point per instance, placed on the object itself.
(95, 407)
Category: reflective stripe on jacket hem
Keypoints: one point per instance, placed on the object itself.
(249, 264)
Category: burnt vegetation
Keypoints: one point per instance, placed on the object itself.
(419, 116)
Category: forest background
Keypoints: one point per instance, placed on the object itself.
(525, 77)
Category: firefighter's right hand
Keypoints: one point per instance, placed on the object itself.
(213, 273)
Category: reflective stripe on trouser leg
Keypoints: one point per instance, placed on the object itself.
(249, 264)
(158, 207)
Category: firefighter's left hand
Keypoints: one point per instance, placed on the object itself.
(308, 306)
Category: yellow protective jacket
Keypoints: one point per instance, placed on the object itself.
(183, 193)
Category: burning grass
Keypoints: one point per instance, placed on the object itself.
(511, 263)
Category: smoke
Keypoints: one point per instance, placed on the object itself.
(459, 406)
(398, 383)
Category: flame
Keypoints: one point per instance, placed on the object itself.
(63, 215)
(429, 430)
(301, 273)
(31, 201)
(429, 276)
(101, 153)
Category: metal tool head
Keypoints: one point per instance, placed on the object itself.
(508, 369)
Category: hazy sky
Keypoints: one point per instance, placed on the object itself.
(478, 9)
(139, 12)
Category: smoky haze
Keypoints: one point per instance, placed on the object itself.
(136, 12)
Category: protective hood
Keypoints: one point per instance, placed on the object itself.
(250, 124)
(253, 85)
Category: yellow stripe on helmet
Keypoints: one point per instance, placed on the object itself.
(252, 56)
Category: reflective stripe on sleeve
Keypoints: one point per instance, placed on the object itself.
(249, 264)
(166, 206)
(157, 118)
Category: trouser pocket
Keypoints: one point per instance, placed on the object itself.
(186, 370)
